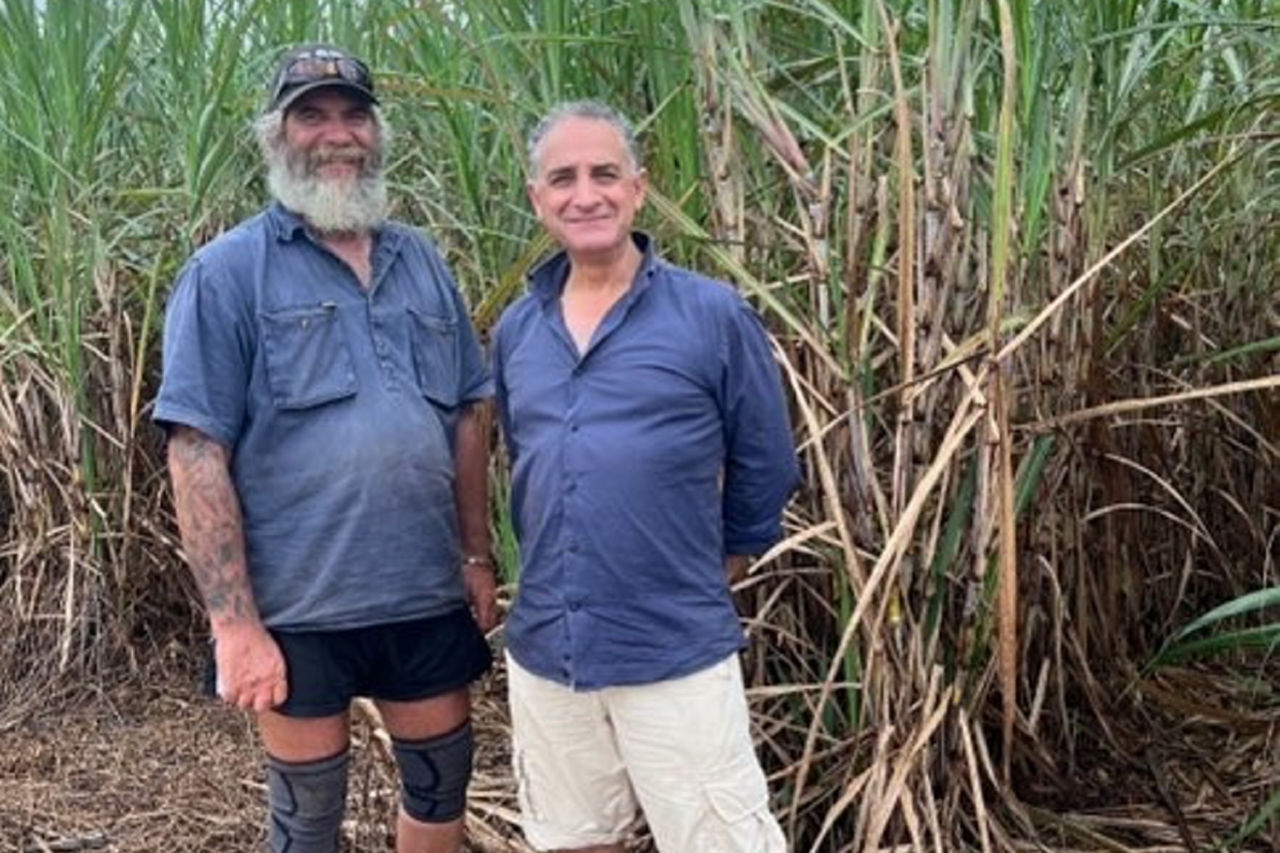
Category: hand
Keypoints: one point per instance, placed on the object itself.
(251, 671)
(735, 567)
(482, 594)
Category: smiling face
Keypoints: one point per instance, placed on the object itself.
(324, 160)
(333, 132)
(586, 189)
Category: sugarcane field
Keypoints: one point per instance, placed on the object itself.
(1018, 263)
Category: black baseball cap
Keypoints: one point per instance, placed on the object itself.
(315, 66)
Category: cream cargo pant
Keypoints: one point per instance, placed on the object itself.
(680, 749)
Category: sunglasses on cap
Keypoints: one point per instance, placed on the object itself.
(316, 67)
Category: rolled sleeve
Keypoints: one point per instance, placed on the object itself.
(474, 381)
(760, 459)
(206, 366)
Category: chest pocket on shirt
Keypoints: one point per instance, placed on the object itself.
(308, 361)
(435, 356)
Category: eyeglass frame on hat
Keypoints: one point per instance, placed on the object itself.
(334, 68)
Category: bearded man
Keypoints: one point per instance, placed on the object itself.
(322, 390)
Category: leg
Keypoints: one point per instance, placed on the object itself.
(306, 780)
(573, 787)
(420, 688)
(687, 745)
(432, 740)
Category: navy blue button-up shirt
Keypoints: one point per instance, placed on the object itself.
(338, 405)
(636, 467)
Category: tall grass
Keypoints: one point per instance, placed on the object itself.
(1019, 262)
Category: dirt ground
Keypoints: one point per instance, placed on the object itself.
(154, 766)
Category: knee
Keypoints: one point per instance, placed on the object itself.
(434, 773)
(305, 803)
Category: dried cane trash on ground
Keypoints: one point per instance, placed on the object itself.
(154, 767)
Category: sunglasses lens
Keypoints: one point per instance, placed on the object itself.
(321, 65)
(309, 69)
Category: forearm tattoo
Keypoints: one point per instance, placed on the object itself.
(209, 521)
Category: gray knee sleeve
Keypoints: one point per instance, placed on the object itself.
(305, 802)
(434, 773)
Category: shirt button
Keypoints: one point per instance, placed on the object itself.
(573, 427)
(575, 606)
(570, 486)
(573, 547)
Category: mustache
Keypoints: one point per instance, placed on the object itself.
(338, 154)
(305, 163)
(360, 161)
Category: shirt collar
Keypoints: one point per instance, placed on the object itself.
(547, 279)
(284, 222)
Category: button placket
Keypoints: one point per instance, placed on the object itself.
(378, 335)
(567, 476)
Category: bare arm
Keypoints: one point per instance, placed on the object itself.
(471, 497)
(250, 668)
(209, 521)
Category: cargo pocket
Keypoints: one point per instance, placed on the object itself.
(307, 358)
(737, 822)
(435, 357)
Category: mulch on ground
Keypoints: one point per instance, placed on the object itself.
(154, 766)
(138, 769)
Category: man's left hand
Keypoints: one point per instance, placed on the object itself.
(482, 594)
(735, 567)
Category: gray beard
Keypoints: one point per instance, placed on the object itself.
(329, 206)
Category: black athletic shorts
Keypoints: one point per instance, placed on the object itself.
(397, 661)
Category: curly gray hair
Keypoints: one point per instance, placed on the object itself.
(581, 109)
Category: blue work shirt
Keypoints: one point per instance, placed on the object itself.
(636, 467)
(338, 406)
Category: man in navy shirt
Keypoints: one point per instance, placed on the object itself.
(651, 454)
(321, 382)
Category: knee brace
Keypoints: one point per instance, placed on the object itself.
(305, 803)
(434, 773)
